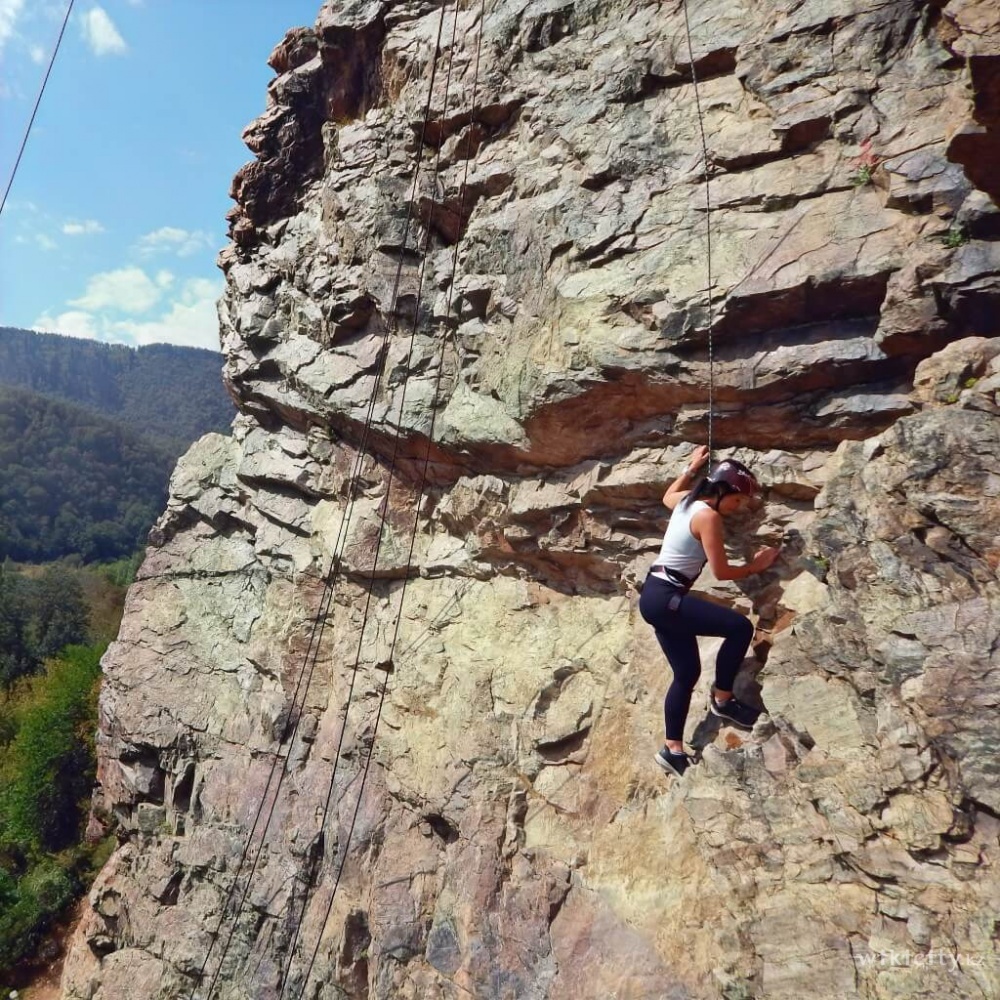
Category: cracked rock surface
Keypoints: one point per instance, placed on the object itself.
(470, 380)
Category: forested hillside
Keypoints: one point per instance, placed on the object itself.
(72, 481)
(174, 393)
(54, 625)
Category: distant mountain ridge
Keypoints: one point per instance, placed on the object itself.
(89, 434)
(173, 394)
(73, 481)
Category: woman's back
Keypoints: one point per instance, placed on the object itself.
(681, 551)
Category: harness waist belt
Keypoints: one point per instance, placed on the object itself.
(672, 576)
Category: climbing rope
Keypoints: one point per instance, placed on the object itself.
(344, 853)
(420, 496)
(38, 101)
(321, 619)
(708, 227)
(326, 600)
(385, 506)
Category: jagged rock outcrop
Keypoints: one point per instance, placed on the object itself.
(496, 827)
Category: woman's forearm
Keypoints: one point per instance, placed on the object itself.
(683, 482)
(731, 572)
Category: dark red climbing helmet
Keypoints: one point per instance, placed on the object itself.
(736, 476)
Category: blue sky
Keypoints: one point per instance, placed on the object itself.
(118, 208)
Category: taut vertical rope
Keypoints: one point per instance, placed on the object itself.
(708, 229)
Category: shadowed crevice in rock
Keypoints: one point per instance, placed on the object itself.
(811, 302)
(972, 31)
(442, 828)
(564, 748)
(354, 954)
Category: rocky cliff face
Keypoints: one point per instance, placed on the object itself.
(506, 349)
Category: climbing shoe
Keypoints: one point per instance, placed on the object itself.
(674, 763)
(734, 711)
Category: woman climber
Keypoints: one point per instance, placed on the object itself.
(693, 537)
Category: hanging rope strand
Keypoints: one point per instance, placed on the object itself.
(38, 101)
(326, 600)
(708, 228)
(288, 735)
(423, 485)
(389, 482)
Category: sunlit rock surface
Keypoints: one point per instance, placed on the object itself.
(507, 350)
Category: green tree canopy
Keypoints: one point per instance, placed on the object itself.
(173, 394)
(47, 726)
(74, 482)
(38, 617)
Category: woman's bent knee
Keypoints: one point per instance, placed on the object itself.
(744, 629)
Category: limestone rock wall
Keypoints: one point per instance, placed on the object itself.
(506, 349)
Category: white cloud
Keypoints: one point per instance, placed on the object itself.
(100, 33)
(128, 290)
(199, 289)
(37, 54)
(192, 320)
(10, 10)
(70, 324)
(87, 228)
(164, 279)
(189, 319)
(170, 239)
(45, 242)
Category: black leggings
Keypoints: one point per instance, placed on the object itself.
(678, 620)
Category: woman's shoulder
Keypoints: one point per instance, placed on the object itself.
(674, 500)
(702, 514)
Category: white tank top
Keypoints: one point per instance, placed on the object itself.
(680, 550)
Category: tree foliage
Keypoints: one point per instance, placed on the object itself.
(89, 434)
(174, 394)
(74, 482)
(47, 726)
(28, 905)
(47, 767)
(39, 615)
